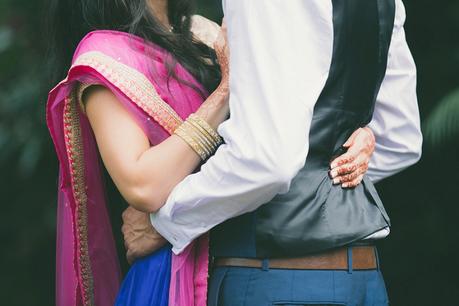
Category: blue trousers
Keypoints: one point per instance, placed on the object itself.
(233, 286)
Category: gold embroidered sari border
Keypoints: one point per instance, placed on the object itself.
(142, 92)
(75, 155)
(135, 86)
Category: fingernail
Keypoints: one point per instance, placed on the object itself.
(333, 165)
(336, 181)
(345, 185)
(334, 173)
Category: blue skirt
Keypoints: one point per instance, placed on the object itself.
(147, 282)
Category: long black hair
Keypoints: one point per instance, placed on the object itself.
(70, 20)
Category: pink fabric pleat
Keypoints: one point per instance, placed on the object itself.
(190, 274)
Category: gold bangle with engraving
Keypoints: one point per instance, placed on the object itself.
(201, 122)
(183, 133)
(210, 142)
(198, 138)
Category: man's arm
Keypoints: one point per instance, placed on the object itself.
(396, 123)
(279, 65)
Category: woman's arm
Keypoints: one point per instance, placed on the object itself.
(144, 175)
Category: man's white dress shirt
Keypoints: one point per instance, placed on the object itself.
(280, 58)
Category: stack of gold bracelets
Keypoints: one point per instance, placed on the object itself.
(200, 136)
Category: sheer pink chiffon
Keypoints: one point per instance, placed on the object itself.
(87, 265)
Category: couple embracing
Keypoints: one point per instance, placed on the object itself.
(247, 153)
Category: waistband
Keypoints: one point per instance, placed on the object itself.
(356, 257)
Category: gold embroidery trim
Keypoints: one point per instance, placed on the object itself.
(135, 86)
(74, 147)
(142, 92)
(80, 91)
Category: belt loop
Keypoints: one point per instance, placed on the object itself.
(349, 260)
(265, 264)
(378, 266)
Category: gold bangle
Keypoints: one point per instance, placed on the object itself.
(203, 134)
(199, 135)
(201, 122)
(183, 134)
(203, 131)
(198, 138)
(206, 127)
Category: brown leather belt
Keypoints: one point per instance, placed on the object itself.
(363, 258)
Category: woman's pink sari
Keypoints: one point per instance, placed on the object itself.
(87, 266)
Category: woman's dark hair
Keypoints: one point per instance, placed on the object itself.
(70, 20)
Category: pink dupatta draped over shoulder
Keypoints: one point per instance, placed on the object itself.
(87, 265)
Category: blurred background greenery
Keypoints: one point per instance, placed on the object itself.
(420, 257)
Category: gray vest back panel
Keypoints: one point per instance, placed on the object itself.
(315, 215)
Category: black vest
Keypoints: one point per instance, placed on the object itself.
(315, 215)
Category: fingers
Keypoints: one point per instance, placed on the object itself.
(342, 160)
(346, 163)
(343, 165)
(127, 213)
(346, 178)
(134, 254)
(347, 158)
(130, 257)
(129, 240)
(127, 232)
(351, 177)
(141, 244)
(132, 216)
(143, 247)
(349, 172)
(347, 168)
(354, 183)
(136, 248)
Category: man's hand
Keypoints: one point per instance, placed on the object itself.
(140, 238)
(349, 168)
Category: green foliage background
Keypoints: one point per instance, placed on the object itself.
(419, 259)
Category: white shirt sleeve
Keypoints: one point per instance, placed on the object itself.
(396, 122)
(280, 58)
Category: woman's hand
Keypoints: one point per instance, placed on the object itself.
(215, 109)
(222, 51)
(140, 237)
(349, 168)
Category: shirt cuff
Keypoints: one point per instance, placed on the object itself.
(162, 222)
(381, 234)
(179, 241)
